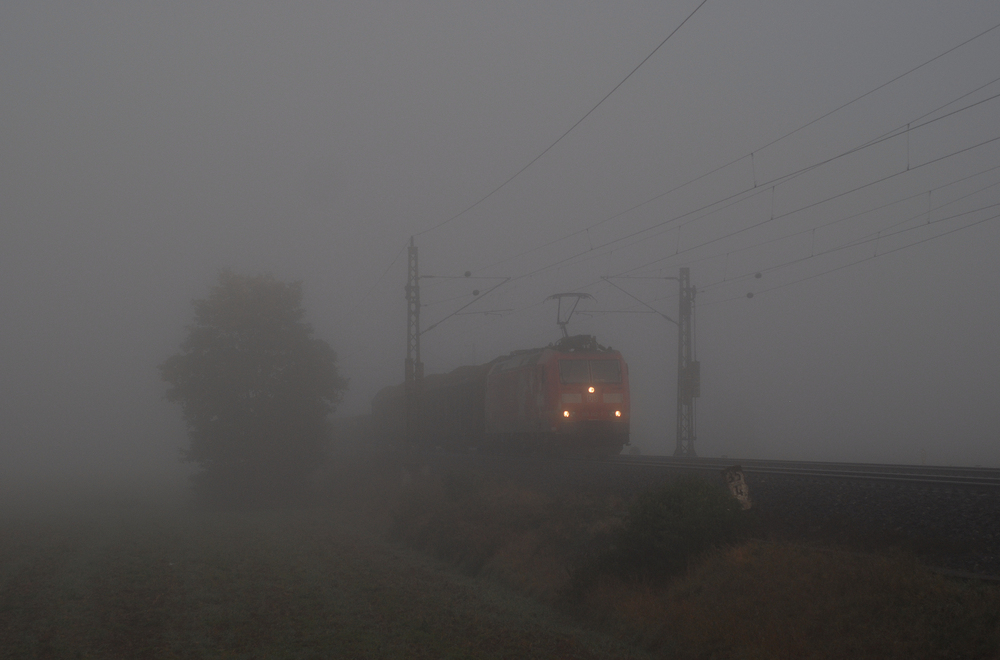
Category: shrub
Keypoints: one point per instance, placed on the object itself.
(668, 526)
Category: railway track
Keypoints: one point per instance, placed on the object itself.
(978, 478)
(956, 506)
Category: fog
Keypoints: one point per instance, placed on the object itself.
(144, 147)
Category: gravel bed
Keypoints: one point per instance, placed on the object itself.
(953, 528)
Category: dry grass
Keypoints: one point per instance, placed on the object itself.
(763, 600)
(172, 582)
(144, 577)
(755, 599)
(524, 538)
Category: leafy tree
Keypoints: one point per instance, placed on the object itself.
(256, 389)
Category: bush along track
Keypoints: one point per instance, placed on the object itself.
(683, 571)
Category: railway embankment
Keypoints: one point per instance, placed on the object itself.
(948, 517)
(812, 578)
(951, 527)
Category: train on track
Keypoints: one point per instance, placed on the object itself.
(571, 397)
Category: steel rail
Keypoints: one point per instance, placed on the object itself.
(930, 476)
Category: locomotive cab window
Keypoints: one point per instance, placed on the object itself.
(606, 371)
(574, 371)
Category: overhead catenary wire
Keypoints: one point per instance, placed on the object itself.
(865, 259)
(911, 125)
(651, 308)
(823, 201)
(567, 132)
(589, 253)
(692, 248)
(727, 253)
(883, 85)
(885, 233)
(855, 215)
(471, 302)
(859, 242)
(873, 256)
(382, 276)
(759, 188)
(870, 238)
(773, 142)
(714, 170)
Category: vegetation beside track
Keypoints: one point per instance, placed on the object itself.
(525, 573)
(134, 578)
(733, 595)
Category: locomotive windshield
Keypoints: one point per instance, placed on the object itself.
(573, 371)
(590, 371)
(606, 371)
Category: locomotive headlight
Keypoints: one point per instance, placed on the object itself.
(618, 413)
(591, 389)
(565, 413)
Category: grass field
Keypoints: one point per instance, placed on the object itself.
(762, 597)
(391, 564)
(147, 579)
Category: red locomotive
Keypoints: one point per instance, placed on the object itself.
(569, 397)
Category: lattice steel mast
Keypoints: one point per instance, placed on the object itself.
(688, 369)
(414, 368)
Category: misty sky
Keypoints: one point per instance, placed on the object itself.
(146, 146)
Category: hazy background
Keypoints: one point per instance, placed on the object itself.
(145, 146)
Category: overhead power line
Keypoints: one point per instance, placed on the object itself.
(808, 206)
(726, 253)
(872, 238)
(382, 276)
(761, 186)
(590, 253)
(781, 179)
(802, 232)
(578, 122)
(595, 251)
(883, 85)
(876, 255)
